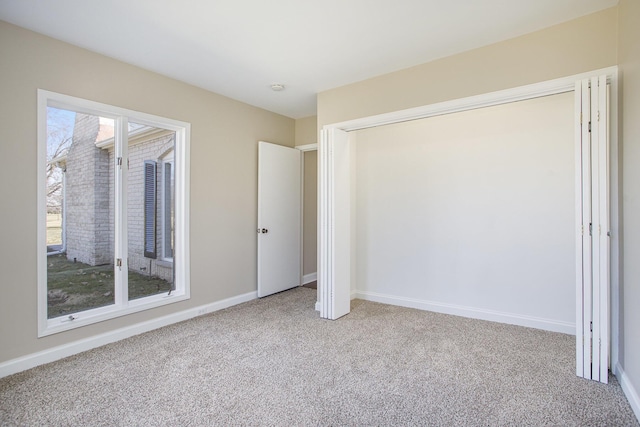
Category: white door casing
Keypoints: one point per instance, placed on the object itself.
(279, 218)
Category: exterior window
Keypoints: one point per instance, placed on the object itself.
(113, 225)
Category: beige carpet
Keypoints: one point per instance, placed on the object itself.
(274, 362)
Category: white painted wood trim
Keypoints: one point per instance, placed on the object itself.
(470, 312)
(325, 180)
(308, 278)
(56, 353)
(633, 396)
(579, 228)
(521, 93)
(604, 227)
(308, 147)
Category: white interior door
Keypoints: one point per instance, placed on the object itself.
(279, 218)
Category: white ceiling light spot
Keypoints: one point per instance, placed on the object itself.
(277, 87)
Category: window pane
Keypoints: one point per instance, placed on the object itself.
(150, 270)
(80, 273)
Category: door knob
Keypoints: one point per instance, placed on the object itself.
(265, 231)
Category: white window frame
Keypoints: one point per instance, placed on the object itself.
(167, 158)
(122, 306)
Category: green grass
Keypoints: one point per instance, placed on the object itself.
(54, 229)
(75, 287)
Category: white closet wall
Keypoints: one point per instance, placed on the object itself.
(474, 210)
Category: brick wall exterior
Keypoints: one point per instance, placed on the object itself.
(90, 203)
(153, 149)
(88, 234)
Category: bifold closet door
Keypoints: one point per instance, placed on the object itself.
(592, 245)
(334, 232)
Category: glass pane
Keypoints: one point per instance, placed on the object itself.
(80, 274)
(150, 210)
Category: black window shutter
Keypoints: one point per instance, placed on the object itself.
(150, 209)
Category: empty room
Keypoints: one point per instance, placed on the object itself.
(329, 213)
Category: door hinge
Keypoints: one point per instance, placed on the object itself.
(590, 229)
(589, 126)
(119, 161)
(119, 262)
(591, 326)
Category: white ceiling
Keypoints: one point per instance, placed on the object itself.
(238, 48)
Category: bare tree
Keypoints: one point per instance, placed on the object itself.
(59, 138)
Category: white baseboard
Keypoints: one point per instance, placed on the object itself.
(472, 312)
(308, 278)
(317, 305)
(56, 353)
(629, 390)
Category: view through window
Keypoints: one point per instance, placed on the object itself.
(110, 213)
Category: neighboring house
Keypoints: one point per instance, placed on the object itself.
(89, 205)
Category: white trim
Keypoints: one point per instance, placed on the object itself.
(317, 307)
(56, 353)
(629, 390)
(470, 312)
(521, 93)
(308, 278)
(308, 147)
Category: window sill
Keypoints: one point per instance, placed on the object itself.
(89, 317)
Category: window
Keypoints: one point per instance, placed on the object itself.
(113, 223)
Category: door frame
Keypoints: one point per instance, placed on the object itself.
(330, 204)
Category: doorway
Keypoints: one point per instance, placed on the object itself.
(337, 243)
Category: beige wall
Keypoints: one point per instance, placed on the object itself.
(224, 135)
(307, 133)
(558, 51)
(310, 231)
(629, 58)
(307, 130)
